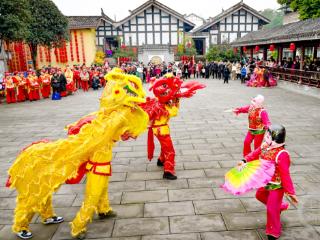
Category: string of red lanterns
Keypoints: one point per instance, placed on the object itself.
(71, 48)
(82, 47)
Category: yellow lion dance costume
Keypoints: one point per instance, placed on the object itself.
(43, 167)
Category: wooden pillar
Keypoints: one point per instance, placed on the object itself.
(265, 53)
(280, 53)
(315, 50)
(302, 57)
(251, 53)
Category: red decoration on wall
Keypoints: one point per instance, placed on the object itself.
(271, 48)
(49, 55)
(77, 45)
(82, 48)
(292, 47)
(257, 48)
(56, 54)
(41, 54)
(71, 48)
(244, 49)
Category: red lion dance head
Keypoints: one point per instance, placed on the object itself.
(170, 87)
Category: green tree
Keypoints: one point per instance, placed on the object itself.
(48, 26)
(14, 19)
(186, 48)
(124, 52)
(275, 16)
(306, 8)
(222, 52)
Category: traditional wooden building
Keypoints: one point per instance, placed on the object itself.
(229, 25)
(153, 29)
(295, 39)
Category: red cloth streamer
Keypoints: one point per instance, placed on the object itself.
(257, 48)
(82, 48)
(77, 45)
(40, 54)
(150, 144)
(71, 48)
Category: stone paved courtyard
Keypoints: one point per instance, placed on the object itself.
(208, 141)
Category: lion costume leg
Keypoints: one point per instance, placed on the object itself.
(46, 209)
(95, 193)
(23, 214)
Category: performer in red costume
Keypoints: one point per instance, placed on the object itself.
(10, 89)
(45, 82)
(258, 123)
(33, 86)
(168, 91)
(22, 86)
(273, 149)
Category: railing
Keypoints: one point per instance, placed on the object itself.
(297, 76)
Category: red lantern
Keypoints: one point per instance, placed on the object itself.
(123, 46)
(292, 47)
(244, 49)
(271, 48)
(257, 48)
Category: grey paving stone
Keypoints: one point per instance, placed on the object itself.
(141, 226)
(145, 196)
(198, 223)
(219, 193)
(218, 206)
(129, 168)
(196, 151)
(187, 158)
(205, 182)
(200, 165)
(231, 235)
(6, 216)
(166, 184)
(7, 203)
(190, 173)
(126, 186)
(240, 221)
(39, 231)
(114, 198)
(189, 236)
(135, 176)
(117, 177)
(65, 200)
(168, 209)
(301, 217)
(295, 233)
(190, 194)
(128, 210)
(216, 172)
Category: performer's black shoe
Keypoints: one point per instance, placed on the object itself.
(109, 214)
(53, 220)
(169, 176)
(24, 234)
(271, 237)
(159, 163)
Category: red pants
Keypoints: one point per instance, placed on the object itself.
(34, 95)
(85, 86)
(258, 138)
(167, 153)
(273, 201)
(45, 91)
(11, 95)
(21, 94)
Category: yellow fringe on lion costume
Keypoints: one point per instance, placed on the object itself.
(43, 167)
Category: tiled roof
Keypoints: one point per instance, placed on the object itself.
(299, 31)
(229, 11)
(77, 22)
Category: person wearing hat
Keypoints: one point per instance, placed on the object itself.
(45, 82)
(258, 123)
(33, 86)
(273, 149)
(21, 86)
(10, 88)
